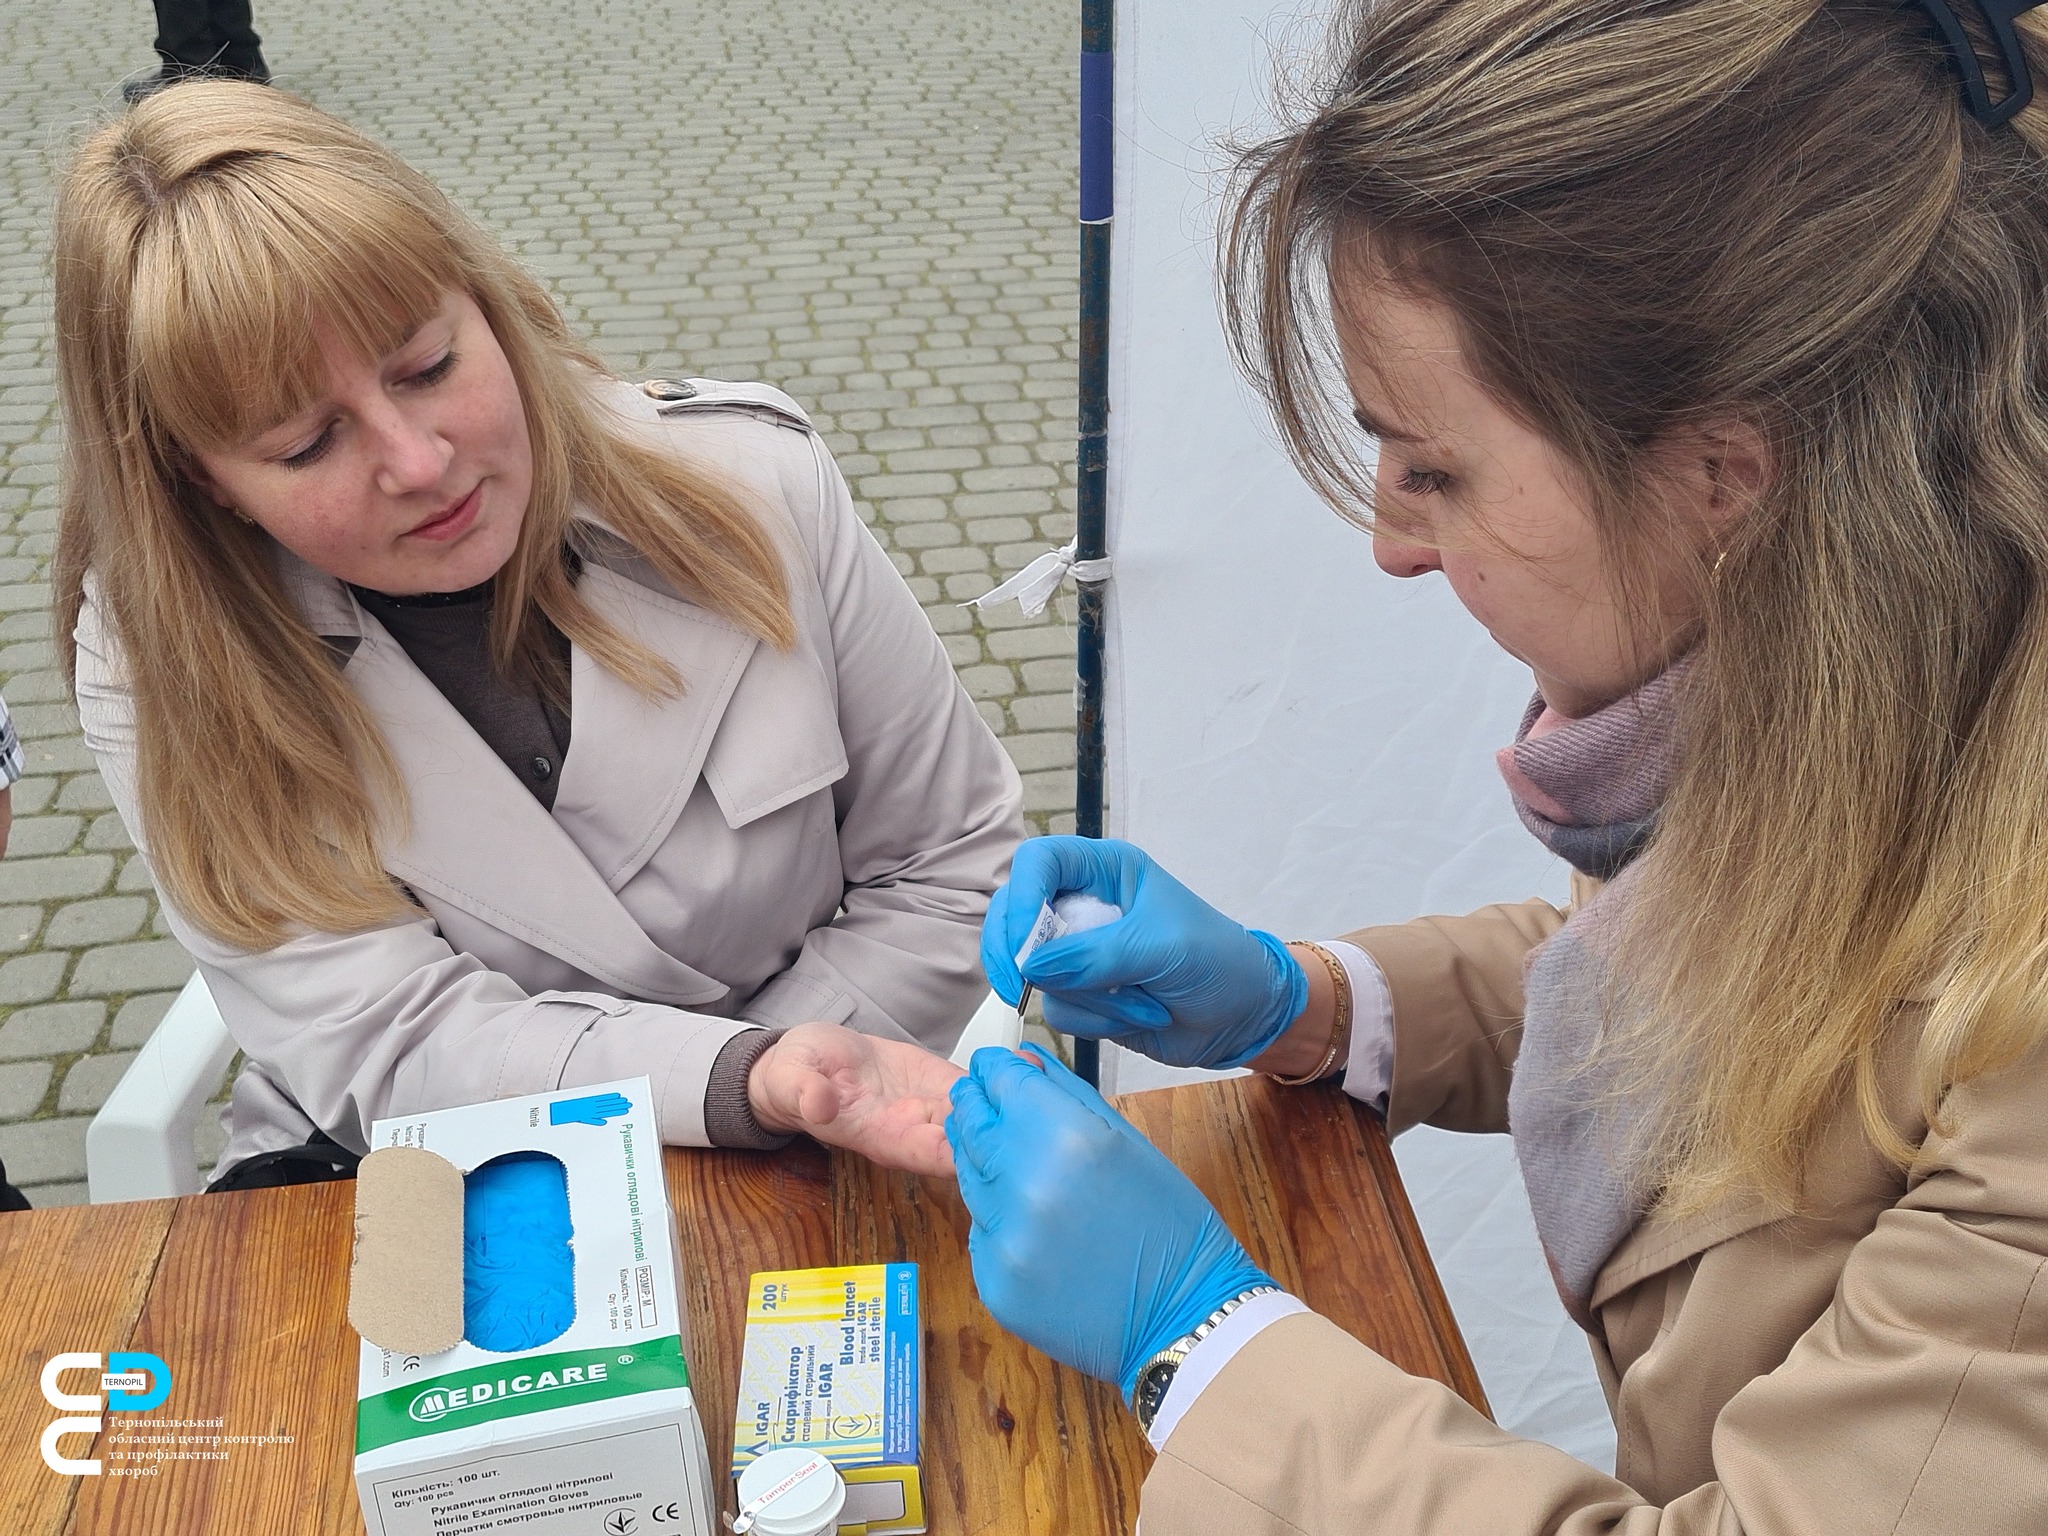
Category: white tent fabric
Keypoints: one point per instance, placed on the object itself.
(1306, 742)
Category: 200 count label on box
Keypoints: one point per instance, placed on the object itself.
(834, 1363)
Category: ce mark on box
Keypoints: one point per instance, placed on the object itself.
(623, 1522)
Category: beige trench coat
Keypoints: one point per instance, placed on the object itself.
(1878, 1367)
(804, 835)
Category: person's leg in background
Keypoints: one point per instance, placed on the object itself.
(239, 50)
(196, 38)
(11, 1199)
(185, 39)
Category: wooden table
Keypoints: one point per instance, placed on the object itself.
(245, 1297)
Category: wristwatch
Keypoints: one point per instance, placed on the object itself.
(1159, 1371)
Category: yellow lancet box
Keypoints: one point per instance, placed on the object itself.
(834, 1363)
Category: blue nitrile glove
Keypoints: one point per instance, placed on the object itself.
(518, 1281)
(1087, 1243)
(1172, 978)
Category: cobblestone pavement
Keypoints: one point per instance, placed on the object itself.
(865, 202)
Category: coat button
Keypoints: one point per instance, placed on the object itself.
(668, 389)
(542, 768)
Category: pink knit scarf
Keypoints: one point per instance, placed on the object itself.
(1590, 789)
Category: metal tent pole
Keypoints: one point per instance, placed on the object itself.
(1098, 120)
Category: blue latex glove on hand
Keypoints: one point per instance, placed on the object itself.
(1087, 1243)
(1172, 978)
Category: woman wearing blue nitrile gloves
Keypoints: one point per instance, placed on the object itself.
(1703, 345)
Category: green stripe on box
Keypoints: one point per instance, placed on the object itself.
(506, 1389)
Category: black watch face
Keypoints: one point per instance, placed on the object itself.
(1152, 1387)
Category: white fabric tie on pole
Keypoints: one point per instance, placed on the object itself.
(1033, 587)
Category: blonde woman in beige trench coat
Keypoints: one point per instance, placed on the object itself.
(1701, 350)
(491, 725)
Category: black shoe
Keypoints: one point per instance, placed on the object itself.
(174, 74)
(144, 86)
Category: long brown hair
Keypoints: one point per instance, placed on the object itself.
(1645, 213)
(200, 240)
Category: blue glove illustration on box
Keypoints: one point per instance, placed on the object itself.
(592, 1109)
(1087, 1243)
(1172, 977)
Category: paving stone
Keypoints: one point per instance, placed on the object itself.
(1047, 792)
(1037, 712)
(43, 1151)
(31, 836)
(139, 1017)
(101, 921)
(209, 1137)
(32, 978)
(107, 832)
(1044, 750)
(22, 1086)
(55, 878)
(116, 968)
(18, 927)
(44, 1197)
(90, 1080)
(85, 793)
(52, 1029)
(988, 682)
(30, 795)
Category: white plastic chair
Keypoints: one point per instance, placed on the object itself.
(139, 1146)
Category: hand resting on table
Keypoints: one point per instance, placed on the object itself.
(884, 1099)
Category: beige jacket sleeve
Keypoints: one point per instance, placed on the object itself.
(1455, 984)
(930, 809)
(1917, 1405)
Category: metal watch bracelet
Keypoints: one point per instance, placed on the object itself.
(1156, 1377)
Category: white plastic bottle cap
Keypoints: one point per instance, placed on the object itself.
(790, 1493)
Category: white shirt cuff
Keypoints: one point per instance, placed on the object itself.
(1207, 1359)
(1369, 1070)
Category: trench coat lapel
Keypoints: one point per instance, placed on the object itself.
(1844, 1171)
(633, 761)
(478, 840)
(1659, 1243)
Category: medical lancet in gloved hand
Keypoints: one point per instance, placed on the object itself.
(1068, 912)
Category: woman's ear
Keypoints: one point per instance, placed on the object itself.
(189, 466)
(1718, 470)
(1737, 461)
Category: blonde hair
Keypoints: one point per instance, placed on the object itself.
(200, 238)
(1644, 215)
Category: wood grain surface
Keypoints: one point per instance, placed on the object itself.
(249, 1309)
(245, 1298)
(72, 1280)
(1015, 1443)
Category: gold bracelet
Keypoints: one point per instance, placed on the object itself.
(1340, 1028)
